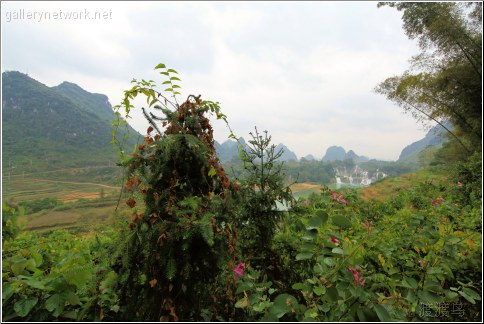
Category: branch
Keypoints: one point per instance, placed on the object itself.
(429, 116)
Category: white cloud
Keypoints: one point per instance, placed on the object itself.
(302, 70)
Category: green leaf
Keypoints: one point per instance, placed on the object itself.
(205, 227)
(366, 315)
(333, 294)
(341, 221)
(170, 270)
(18, 266)
(325, 308)
(35, 284)
(317, 221)
(329, 261)
(260, 307)
(311, 313)
(337, 250)
(310, 235)
(55, 304)
(269, 317)
(212, 172)
(467, 297)
(304, 256)
(23, 307)
(435, 271)
(37, 257)
(298, 286)
(159, 66)
(73, 315)
(8, 289)
(144, 227)
(169, 90)
(72, 299)
(78, 275)
(411, 297)
(176, 86)
(174, 78)
(172, 71)
(282, 304)
(334, 235)
(382, 313)
(451, 295)
(59, 284)
(471, 293)
(428, 297)
(409, 283)
(319, 290)
(241, 303)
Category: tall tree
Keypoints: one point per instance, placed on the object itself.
(444, 81)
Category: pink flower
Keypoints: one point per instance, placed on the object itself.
(356, 275)
(334, 240)
(437, 201)
(239, 271)
(366, 224)
(421, 262)
(337, 197)
(342, 201)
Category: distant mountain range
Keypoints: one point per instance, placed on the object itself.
(229, 151)
(337, 153)
(434, 138)
(46, 128)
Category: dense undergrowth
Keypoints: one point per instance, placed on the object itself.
(414, 256)
(203, 247)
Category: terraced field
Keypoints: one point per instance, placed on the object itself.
(18, 189)
(88, 200)
(84, 204)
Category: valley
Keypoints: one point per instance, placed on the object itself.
(118, 204)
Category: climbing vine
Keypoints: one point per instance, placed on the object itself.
(179, 194)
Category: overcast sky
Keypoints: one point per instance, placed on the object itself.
(304, 71)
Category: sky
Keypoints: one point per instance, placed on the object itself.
(303, 71)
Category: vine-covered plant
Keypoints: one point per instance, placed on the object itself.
(177, 238)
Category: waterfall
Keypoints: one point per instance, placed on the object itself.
(338, 180)
(365, 181)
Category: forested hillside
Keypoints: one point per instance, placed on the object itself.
(53, 128)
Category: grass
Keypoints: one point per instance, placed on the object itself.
(304, 189)
(388, 187)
